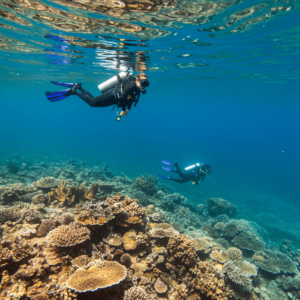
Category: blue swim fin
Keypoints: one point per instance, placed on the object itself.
(167, 169)
(162, 177)
(168, 163)
(63, 84)
(59, 95)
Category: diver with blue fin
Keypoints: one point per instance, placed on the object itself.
(196, 172)
(122, 90)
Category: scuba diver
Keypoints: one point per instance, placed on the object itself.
(197, 172)
(122, 90)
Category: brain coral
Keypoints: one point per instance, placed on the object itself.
(68, 235)
(96, 278)
(219, 206)
(181, 250)
(135, 293)
(239, 271)
(274, 262)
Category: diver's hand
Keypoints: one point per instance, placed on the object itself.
(124, 113)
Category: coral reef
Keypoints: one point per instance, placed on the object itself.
(85, 239)
(96, 278)
(219, 206)
(274, 262)
(68, 235)
(146, 184)
(210, 282)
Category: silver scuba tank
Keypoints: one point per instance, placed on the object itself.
(192, 167)
(112, 82)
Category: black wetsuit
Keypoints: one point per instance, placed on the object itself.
(130, 93)
(194, 175)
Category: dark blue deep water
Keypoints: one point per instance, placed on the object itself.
(224, 91)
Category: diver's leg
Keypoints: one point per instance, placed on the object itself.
(178, 171)
(103, 100)
(182, 180)
(82, 90)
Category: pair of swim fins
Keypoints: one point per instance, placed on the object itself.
(60, 95)
(167, 163)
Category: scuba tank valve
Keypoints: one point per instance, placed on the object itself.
(192, 167)
(112, 82)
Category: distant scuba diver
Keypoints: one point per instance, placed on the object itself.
(122, 90)
(197, 172)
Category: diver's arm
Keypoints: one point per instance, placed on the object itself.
(124, 113)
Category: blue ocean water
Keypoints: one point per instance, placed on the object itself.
(224, 91)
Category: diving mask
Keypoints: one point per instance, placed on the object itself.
(144, 83)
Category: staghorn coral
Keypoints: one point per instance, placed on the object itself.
(96, 278)
(135, 293)
(9, 214)
(146, 184)
(209, 281)
(239, 271)
(181, 250)
(219, 206)
(274, 262)
(68, 235)
(162, 233)
(62, 194)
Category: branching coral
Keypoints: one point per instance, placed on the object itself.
(239, 271)
(161, 233)
(219, 206)
(9, 214)
(96, 278)
(47, 225)
(68, 235)
(181, 250)
(146, 184)
(37, 267)
(62, 194)
(210, 282)
(274, 262)
(135, 293)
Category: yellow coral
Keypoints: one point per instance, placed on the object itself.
(96, 278)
